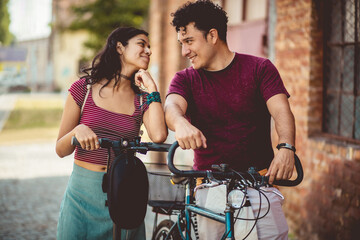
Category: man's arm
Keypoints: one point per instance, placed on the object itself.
(283, 163)
(186, 134)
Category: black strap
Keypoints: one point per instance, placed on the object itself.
(286, 145)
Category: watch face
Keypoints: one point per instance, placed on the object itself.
(286, 145)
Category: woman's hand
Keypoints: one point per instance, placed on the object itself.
(143, 78)
(86, 137)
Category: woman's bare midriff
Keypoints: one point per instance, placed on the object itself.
(91, 166)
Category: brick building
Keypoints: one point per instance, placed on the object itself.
(315, 44)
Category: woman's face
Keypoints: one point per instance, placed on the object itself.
(136, 54)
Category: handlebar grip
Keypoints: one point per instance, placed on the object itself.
(295, 182)
(193, 173)
(75, 142)
(156, 147)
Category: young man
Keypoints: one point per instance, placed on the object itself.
(221, 107)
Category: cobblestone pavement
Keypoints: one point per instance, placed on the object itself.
(32, 182)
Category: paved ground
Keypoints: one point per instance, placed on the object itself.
(32, 182)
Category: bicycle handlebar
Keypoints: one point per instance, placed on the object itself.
(142, 147)
(134, 145)
(222, 175)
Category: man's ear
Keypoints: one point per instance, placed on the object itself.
(213, 35)
(119, 48)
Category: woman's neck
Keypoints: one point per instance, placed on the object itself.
(122, 84)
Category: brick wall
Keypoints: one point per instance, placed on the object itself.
(327, 204)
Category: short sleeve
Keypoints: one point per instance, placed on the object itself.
(270, 81)
(180, 85)
(78, 91)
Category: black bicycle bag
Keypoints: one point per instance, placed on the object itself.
(127, 186)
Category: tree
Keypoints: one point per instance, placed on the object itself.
(5, 36)
(100, 17)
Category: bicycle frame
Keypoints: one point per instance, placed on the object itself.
(229, 211)
(191, 208)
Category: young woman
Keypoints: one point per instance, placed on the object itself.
(112, 110)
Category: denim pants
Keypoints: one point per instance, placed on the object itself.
(83, 214)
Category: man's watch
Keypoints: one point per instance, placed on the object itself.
(286, 145)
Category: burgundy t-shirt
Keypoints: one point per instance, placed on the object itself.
(229, 107)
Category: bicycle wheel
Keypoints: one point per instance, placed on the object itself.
(163, 229)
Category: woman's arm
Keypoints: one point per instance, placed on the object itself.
(70, 126)
(153, 118)
(154, 121)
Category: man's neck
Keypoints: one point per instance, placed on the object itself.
(221, 60)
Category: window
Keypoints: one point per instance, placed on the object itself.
(342, 69)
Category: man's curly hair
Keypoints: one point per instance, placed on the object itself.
(205, 14)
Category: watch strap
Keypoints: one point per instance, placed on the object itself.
(286, 145)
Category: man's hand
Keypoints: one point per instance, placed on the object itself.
(282, 166)
(188, 136)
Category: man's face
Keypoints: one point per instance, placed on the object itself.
(195, 46)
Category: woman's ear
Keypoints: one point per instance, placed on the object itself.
(119, 48)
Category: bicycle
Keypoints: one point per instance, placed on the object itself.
(187, 210)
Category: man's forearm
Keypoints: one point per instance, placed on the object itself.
(285, 127)
(173, 115)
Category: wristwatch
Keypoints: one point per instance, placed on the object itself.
(286, 145)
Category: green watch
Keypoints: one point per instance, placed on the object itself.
(286, 145)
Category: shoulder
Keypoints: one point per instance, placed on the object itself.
(79, 84)
(78, 90)
(186, 72)
(250, 59)
(254, 64)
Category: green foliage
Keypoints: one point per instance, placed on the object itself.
(5, 36)
(101, 17)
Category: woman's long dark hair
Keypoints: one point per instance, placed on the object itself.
(107, 64)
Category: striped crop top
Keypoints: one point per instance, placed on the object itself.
(104, 123)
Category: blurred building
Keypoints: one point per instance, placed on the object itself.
(12, 68)
(67, 50)
(315, 44)
(32, 39)
(39, 66)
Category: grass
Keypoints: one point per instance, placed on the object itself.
(33, 119)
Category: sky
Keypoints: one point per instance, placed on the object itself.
(30, 18)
